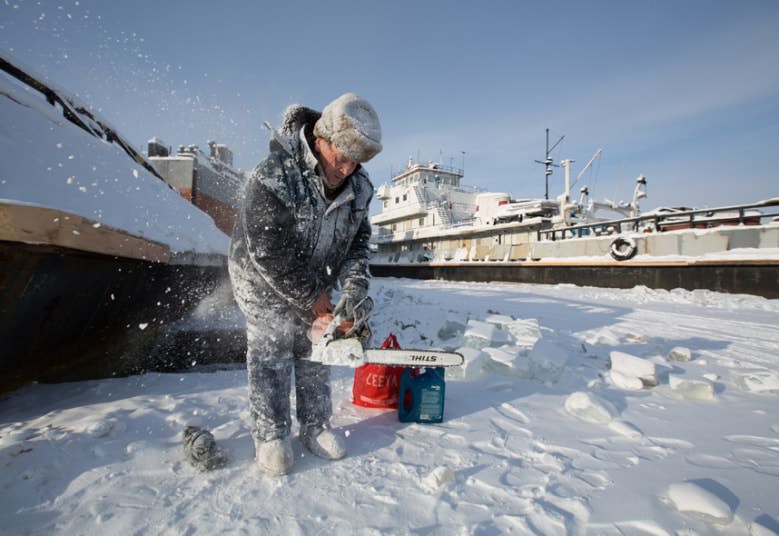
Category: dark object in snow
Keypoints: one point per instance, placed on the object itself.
(201, 450)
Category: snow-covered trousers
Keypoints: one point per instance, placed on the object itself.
(276, 343)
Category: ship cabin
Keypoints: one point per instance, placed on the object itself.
(423, 197)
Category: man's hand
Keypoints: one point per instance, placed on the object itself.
(322, 305)
(355, 309)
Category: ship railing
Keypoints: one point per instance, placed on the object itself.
(430, 166)
(464, 223)
(461, 188)
(469, 189)
(673, 220)
(381, 235)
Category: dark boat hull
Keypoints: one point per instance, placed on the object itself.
(68, 315)
(749, 277)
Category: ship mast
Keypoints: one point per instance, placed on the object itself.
(548, 162)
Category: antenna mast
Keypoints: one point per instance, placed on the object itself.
(548, 162)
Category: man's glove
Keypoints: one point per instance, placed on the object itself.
(355, 308)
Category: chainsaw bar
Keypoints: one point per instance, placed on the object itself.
(349, 352)
(413, 358)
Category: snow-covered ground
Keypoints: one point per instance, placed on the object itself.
(541, 436)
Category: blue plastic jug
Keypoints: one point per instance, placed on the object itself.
(421, 397)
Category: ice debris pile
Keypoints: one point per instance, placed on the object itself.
(501, 344)
(521, 347)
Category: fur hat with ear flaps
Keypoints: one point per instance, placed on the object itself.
(352, 125)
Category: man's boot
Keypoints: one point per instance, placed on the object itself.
(275, 457)
(324, 443)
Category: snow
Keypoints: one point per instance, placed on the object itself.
(692, 498)
(571, 454)
(46, 161)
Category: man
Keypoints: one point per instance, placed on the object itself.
(303, 228)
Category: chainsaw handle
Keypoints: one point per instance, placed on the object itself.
(330, 332)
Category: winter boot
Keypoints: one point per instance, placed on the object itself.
(275, 457)
(324, 443)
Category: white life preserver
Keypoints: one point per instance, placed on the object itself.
(622, 248)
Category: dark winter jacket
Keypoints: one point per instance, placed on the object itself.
(290, 244)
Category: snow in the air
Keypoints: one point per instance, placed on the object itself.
(47, 161)
(540, 436)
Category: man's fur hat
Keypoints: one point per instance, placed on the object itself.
(352, 125)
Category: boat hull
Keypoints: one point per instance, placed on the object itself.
(749, 277)
(68, 314)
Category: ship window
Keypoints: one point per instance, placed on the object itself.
(421, 221)
(397, 200)
(405, 196)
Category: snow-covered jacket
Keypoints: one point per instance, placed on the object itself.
(290, 244)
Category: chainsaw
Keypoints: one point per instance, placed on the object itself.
(339, 341)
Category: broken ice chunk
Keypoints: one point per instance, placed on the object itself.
(498, 320)
(508, 355)
(480, 334)
(631, 366)
(474, 362)
(511, 360)
(756, 381)
(625, 381)
(526, 331)
(680, 353)
(636, 338)
(691, 389)
(547, 361)
(589, 408)
(692, 499)
(603, 336)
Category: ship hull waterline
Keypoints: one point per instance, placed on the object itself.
(760, 278)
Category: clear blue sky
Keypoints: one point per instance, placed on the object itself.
(683, 91)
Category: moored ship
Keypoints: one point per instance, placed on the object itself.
(208, 181)
(431, 226)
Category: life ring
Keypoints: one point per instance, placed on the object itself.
(622, 248)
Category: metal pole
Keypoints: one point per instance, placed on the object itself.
(546, 171)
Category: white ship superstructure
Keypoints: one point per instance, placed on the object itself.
(423, 197)
(429, 218)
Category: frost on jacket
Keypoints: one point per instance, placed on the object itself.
(289, 244)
